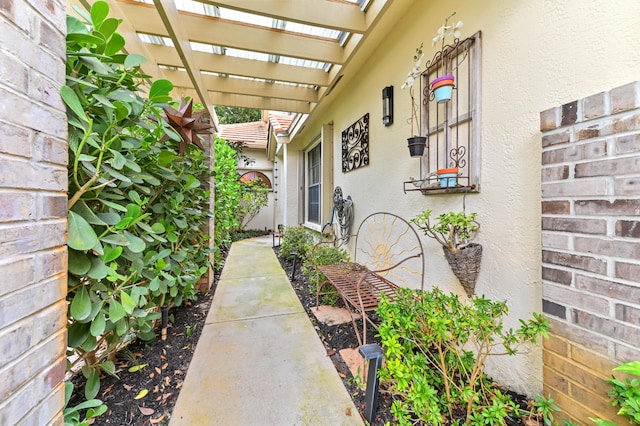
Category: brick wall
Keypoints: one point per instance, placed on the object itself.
(591, 246)
(33, 210)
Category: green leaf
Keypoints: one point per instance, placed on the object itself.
(110, 218)
(81, 234)
(136, 245)
(111, 253)
(632, 367)
(103, 100)
(159, 90)
(133, 60)
(96, 65)
(79, 264)
(118, 161)
(122, 95)
(116, 311)
(121, 327)
(116, 239)
(127, 302)
(73, 102)
(84, 39)
(83, 210)
(74, 25)
(107, 29)
(77, 334)
(98, 269)
(93, 384)
(158, 228)
(133, 211)
(136, 368)
(98, 325)
(81, 305)
(114, 206)
(99, 11)
(108, 367)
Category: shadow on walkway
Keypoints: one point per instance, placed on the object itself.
(259, 360)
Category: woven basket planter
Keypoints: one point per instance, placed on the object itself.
(465, 265)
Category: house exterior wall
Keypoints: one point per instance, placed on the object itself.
(534, 55)
(266, 217)
(591, 245)
(33, 195)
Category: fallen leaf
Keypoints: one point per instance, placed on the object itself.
(158, 370)
(127, 387)
(152, 375)
(330, 352)
(163, 357)
(344, 376)
(166, 396)
(165, 365)
(146, 411)
(156, 389)
(141, 394)
(176, 372)
(137, 368)
(107, 389)
(158, 420)
(347, 411)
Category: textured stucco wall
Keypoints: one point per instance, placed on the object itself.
(535, 55)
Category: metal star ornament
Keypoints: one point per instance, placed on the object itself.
(186, 124)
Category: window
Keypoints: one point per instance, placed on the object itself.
(452, 127)
(314, 183)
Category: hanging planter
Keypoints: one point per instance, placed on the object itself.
(465, 265)
(416, 145)
(454, 231)
(442, 88)
(448, 178)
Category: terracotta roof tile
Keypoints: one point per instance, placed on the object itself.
(253, 134)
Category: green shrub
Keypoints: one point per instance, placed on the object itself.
(136, 207)
(227, 196)
(296, 239)
(427, 337)
(625, 394)
(324, 255)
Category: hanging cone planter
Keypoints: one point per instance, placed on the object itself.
(465, 264)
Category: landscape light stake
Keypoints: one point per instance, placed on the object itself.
(372, 353)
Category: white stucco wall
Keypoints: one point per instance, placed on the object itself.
(535, 54)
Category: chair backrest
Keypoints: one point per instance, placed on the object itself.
(384, 240)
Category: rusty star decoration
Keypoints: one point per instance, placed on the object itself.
(186, 124)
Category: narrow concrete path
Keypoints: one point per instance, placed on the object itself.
(259, 360)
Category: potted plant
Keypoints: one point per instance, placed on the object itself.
(415, 142)
(442, 86)
(455, 231)
(448, 177)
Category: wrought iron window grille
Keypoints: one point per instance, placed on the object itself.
(452, 127)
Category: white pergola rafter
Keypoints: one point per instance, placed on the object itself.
(285, 81)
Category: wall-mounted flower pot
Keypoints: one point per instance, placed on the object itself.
(465, 264)
(442, 88)
(448, 178)
(416, 145)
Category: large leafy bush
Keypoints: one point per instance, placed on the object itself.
(137, 209)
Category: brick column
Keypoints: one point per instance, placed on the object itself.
(591, 246)
(33, 210)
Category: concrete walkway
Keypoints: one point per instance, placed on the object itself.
(259, 360)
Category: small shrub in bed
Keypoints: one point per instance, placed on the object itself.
(296, 239)
(436, 347)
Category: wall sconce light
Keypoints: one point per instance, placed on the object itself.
(387, 106)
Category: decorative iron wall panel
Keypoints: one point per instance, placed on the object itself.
(355, 145)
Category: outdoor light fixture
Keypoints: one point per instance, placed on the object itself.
(387, 106)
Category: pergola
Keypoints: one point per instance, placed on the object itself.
(282, 55)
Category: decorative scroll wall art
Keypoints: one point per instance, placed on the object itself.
(355, 145)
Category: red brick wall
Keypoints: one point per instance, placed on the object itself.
(33, 212)
(591, 246)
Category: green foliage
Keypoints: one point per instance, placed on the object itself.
(626, 393)
(324, 255)
(452, 230)
(544, 409)
(436, 348)
(253, 197)
(227, 195)
(296, 239)
(137, 208)
(72, 415)
(231, 115)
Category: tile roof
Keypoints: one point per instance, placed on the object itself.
(254, 134)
